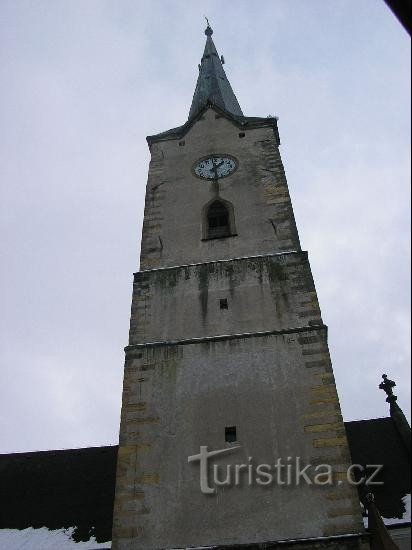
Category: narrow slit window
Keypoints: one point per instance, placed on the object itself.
(223, 303)
(230, 434)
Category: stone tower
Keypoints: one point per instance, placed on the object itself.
(227, 351)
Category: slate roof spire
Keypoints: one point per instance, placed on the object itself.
(212, 84)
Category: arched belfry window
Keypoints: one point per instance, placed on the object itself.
(218, 220)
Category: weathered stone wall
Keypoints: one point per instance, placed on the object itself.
(279, 391)
(264, 293)
(172, 228)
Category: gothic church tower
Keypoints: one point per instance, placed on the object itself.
(227, 350)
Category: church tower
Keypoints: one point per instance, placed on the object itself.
(228, 390)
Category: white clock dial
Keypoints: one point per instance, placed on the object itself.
(215, 167)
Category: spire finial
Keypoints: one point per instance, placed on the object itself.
(387, 386)
(209, 30)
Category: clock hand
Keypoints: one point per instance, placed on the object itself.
(215, 170)
(216, 166)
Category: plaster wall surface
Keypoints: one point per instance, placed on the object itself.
(279, 392)
(262, 294)
(264, 221)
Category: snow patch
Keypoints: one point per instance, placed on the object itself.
(406, 516)
(407, 502)
(44, 539)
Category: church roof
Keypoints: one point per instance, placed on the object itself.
(74, 488)
(378, 441)
(65, 489)
(212, 84)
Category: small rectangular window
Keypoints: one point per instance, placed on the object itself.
(241, 134)
(181, 143)
(230, 434)
(223, 303)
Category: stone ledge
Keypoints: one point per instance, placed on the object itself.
(284, 253)
(221, 337)
(342, 542)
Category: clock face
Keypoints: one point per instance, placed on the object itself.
(215, 167)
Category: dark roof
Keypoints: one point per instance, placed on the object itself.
(212, 83)
(377, 441)
(59, 489)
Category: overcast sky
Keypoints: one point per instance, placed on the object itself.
(84, 82)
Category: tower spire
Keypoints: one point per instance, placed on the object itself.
(212, 84)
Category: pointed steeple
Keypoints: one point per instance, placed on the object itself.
(212, 83)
